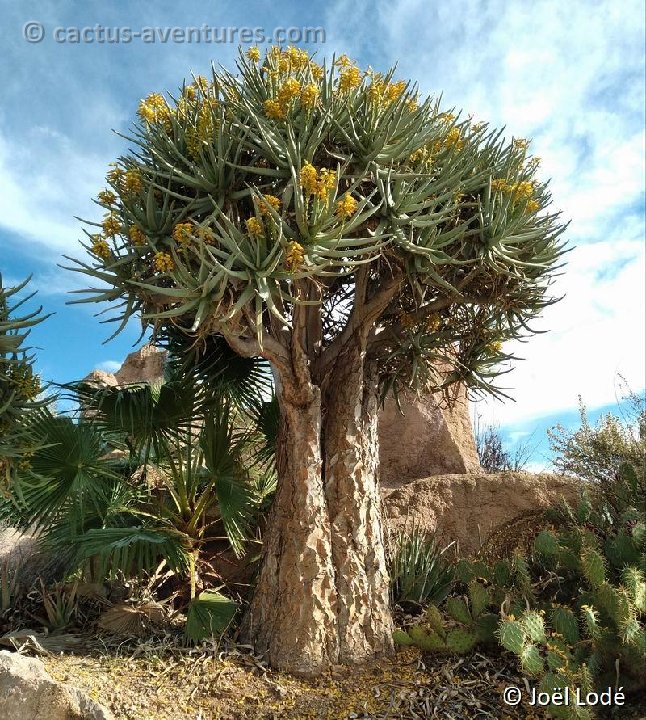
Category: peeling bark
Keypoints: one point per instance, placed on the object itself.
(322, 594)
(351, 468)
(292, 617)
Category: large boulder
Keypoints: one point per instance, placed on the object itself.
(428, 436)
(467, 509)
(27, 692)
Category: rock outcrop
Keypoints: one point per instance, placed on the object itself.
(467, 509)
(430, 438)
(27, 692)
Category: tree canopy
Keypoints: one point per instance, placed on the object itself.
(313, 201)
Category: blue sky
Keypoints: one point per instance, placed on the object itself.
(568, 75)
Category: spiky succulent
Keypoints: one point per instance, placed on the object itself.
(298, 185)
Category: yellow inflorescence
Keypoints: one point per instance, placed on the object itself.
(254, 227)
(317, 71)
(522, 190)
(309, 96)
(274, 109)
(253, 54)
(294, 256)
(326, 183)
(382, 93)
(317, 184)
(533, 206)
(100, 247)
(201, 83)
(107, 197)
(267, 202)
(349, 78)
(520, 144)
(111, 225)
(454, 138)
(26, 382)
(204, 128)
(154, 109)
(132, 181)
(137, 236)
(163, 262)
(183, 233)
(309, 178)
(290, 89)
(499, 185)
(433, 322)
(115, 177)
(206, 235)
(346, 206)
(298, 58)
(494, 347)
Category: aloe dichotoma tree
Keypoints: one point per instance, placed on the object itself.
(19, 385)
(334, 223)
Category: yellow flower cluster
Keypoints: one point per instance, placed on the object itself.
(253, 54)
(520, 144)
(521, 192)
(201, 83)
(163, 262)
(346, 207)
(446, 117)
(349, 78)
(309, 96)
(294, 256)
(206, 235)
(154, 109)
(254, 227)
(204, 128)
(25, 381)
(383, 93)
(274, 109)
(100, 247)
(107, 197)
(184, 233)
(494, 347)
(454, 139)
(132, 181)
(433, 322)
(115, 177)
(111, 225)
(317, 184)
(290, 89)
(137, 235)
(268, 201)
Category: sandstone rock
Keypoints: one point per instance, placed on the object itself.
(468, 508)
(428, 439)
(143, 365)
(27, 692)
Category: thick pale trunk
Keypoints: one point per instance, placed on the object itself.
(351, 469)
(322, 593)
(292, 617)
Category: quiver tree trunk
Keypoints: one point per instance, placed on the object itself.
(322, 593)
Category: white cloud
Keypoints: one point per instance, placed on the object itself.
(109, 366)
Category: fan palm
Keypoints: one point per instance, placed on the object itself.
(182, 476)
